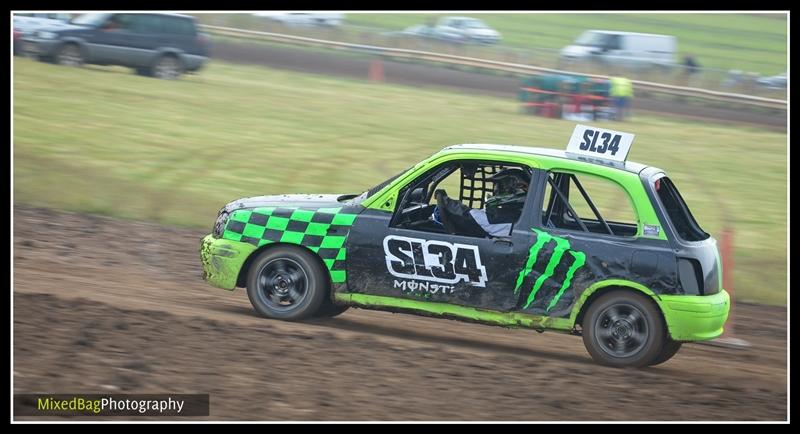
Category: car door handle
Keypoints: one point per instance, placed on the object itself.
(503, 244)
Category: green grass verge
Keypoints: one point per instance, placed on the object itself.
(748, 42)
(104, 140)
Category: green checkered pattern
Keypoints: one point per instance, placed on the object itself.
(322, 230)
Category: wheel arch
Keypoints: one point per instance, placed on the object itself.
(596, 290)
(241, 280)
(71, 40)
(162, 52)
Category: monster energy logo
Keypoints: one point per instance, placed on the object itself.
(561, 247)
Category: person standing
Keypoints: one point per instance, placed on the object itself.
(621, 93)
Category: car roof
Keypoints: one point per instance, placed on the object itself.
(628, 166)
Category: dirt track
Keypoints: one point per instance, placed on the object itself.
(417, 74)
(113, 306)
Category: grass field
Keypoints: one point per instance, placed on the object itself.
(747, 42)
(107, 141)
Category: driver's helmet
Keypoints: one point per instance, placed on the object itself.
(509, 185)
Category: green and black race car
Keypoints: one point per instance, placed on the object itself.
(579, 242)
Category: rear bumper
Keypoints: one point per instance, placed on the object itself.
(695, 318)
(222, 260)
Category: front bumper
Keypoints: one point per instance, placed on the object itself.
(695, 318)
(43, 48)
(222, 260)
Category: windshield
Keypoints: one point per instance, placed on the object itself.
(89, 19)
(369, 193)
(590, 39)
(474, 24)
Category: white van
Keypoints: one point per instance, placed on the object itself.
(623, 49)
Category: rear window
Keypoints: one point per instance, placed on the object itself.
(678, 212)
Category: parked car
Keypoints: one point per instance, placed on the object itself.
(631, 270)
(304, 18)
(773, 82)
(464, 29)
(419, 31)
(159, 45)
(26, 23)
(626, 49)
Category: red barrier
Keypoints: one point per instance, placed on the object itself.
(376, 71)
(728, 338)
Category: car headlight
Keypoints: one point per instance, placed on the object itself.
(219, 225)
(46, 35)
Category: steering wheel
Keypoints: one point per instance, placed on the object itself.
(441, 202)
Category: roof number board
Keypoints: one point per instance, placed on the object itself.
(600, 143)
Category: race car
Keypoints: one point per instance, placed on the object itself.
(503, 235)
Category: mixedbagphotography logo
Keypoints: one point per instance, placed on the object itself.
(111, 405)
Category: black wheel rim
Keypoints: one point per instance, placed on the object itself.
(621, 330)
(282, 284)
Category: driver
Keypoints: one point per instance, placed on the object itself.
(504, 207)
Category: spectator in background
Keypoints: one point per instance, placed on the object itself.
(691, 64)
(621, 93)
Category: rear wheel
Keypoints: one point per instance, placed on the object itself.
(624, 329)
(167, 67)
(287, 283)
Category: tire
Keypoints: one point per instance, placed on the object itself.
(329, 309)
(287, 283)
(624, 329)
(144, 72)
(669, 350)
(69, 55)
(167, 67)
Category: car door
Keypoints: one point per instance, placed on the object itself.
(391, 259)
(589, 232)
(126, 39)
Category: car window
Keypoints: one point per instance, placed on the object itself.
(91, 19)
(177, 26)
(613, 42)
(474, 24)
(148, 23)
(127, 22)
(587, 203)
(467, 198)
(678, 212)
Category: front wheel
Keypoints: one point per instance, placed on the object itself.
(329, 309)
(624, 329)
(287, 283)
(669, 350)
(69, 55)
